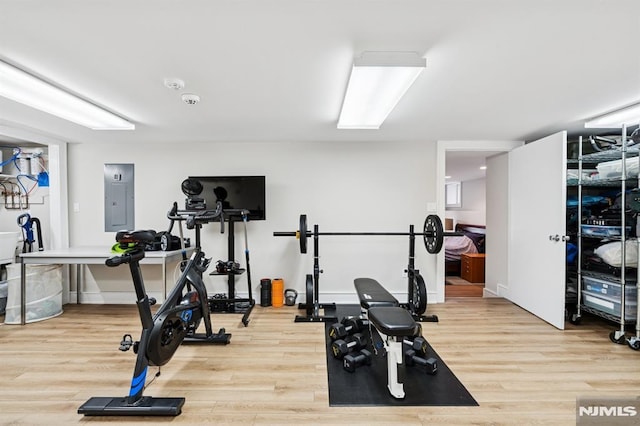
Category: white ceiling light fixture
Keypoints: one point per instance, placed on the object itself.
(29, 90)
(377, 83)
(625, 116)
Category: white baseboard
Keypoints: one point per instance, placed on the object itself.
(110, 297)
(489, 293)
(503, 290)
(125, 298)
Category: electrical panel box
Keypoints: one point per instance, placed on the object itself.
(118, 197)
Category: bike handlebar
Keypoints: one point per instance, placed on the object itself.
(197, 217)
(135, 255)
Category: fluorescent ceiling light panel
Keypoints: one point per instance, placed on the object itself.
(26, 89)
(629, 116)
(377, 83)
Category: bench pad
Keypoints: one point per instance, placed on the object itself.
(372, 294)
(393, 321)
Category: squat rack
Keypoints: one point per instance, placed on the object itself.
(433, 235)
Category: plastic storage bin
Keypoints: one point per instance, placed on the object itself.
(612, 305)
(613, 169)
(603, 231)
(44, 293)
(609, 288)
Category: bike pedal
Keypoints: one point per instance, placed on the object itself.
(126, 343)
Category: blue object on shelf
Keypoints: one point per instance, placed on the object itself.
(43, 179)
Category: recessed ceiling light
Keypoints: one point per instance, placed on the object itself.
(483, 167)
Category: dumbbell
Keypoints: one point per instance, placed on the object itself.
(348, 325)
(351, 361)
(418, 344)
(341, 347)
(430, 364)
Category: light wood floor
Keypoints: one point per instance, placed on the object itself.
(457, 287)
(519, 369)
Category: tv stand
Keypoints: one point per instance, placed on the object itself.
(230, 304)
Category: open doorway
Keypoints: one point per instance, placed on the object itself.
(475, 214)
(465, 212)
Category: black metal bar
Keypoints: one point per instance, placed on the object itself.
(400, 234)
(412, 251)
(231, 279)
(315, 316)
(316, 272)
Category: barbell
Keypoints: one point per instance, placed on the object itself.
(433, 233)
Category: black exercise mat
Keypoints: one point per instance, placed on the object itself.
(367, 386)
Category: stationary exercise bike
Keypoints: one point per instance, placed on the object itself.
(176, 321)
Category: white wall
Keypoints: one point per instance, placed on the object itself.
(473, 208)
(497, 203)
(340, 186)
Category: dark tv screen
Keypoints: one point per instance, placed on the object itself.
(236, 193)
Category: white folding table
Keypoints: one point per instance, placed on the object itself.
(81, 256)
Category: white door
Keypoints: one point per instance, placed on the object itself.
(537, 214)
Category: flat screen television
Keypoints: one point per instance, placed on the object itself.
(236, 193)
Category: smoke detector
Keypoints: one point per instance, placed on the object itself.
(173, 83)
(190, 98)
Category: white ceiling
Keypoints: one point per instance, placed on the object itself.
(466, 165)
(276, 70)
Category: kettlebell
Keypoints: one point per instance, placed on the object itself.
(290, 297)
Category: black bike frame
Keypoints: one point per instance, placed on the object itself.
(189, 277)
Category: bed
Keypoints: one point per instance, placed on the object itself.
(473, 241)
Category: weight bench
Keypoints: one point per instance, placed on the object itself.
(393, 324)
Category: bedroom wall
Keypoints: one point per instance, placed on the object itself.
(497, 203)
(473, 209)
(342, 187)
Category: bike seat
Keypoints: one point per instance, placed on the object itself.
(141, 236)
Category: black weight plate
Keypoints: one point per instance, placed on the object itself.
(419, 296)
(433, 237)
(302, 233)
(309, 295)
